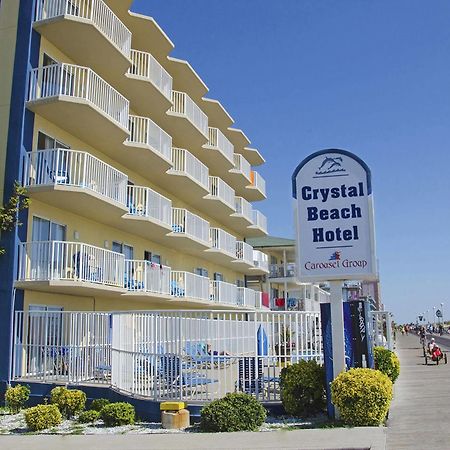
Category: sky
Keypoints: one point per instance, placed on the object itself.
(371, 77)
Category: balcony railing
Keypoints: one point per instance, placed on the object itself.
(70, 261)
(221, 240)
(260, 260)
(222, 292)
(143, 131)
(146, 66)
(241, 165)
(243, 208)
(186, 163)
(145, 202)
(189, 224)
(189, 285)
(218, 141)
(259, 220)
(219, 190)
(96, 11)
(146, 276)
(74, 168)
(184, 106)
(244, 252)
(258, 181)
(248, 297)
(279, 270)
(78, 82)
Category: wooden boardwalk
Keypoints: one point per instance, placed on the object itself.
(420, 412)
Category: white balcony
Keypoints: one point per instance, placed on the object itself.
(282, 270)
(189, 175)
(70, 267)
(191, 231)
(260, 263)
(242, 218)
(220, 198)
(244, 255)
(239, 176)
(219, 151)
(224, 293)
(79, 101)
(149, 214)
(223, 247)
(259, 226)
(248, 298)
(147, 150)
(256, 190)
(186, 122)
(147, 279)
(87, 31)
(189, 286)
(76, 181)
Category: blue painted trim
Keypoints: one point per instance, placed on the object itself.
(332, 150)
(19, 140)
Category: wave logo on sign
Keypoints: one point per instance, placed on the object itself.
(330, 165)
(336, 256)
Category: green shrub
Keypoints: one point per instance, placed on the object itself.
(234, 412)
(69, 401)
(99, 403)
(387, 362)
(116, 414)
(363, 396)
(16, 397)
(302, 388)
(41, 417)
(89, 416)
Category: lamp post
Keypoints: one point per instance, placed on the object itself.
(442, 312)
(434, 316)
(428, 317)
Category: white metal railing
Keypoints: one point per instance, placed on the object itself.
(69, 261)
(241, 165)
(183, 105)
(243, 208)
(282, 270)
(382, 329)
(146, 276)
(221, 240)
(248, 297)
(186, 163)
(189, 285)
(145, 65)
(70, 347)
(183, 221)
(145, 202)
(259, 220)
(96, 11)
(218, 141)
(220, 190)
(223, 292)
(74, 168)
(143, 131)
(78, 82)
(244, 252)
(260, 260)
(258, 181)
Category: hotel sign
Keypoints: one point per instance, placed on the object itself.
(334, 218)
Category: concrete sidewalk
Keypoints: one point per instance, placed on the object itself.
(420, 413)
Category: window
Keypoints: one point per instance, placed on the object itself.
(152, 257)
(126, 250)
(48, 60)
(46, 230)
(201, 271)
(218, 276)
(240, 283)
(47, 142)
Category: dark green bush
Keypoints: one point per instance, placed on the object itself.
(16, 397)
(69, 401)
(41, 417)
(302, 388)
(99, 403)
(387, 362)
(363, 396)
(89, 416)
(234, 412)
(116, 414)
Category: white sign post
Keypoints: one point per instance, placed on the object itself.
(335, 229)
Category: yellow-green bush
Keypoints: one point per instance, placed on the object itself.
(41, 417)
(98, 404)
(89, 416)
(69, 401)
(16, 397)
(363, 396)
(387, 362)
(116, 414)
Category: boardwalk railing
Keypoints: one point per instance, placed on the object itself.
(96, 11)
(184, 106)
(187, 164)
(145, 202)
(78, 82)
